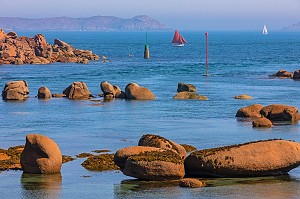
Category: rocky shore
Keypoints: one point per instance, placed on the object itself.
(25, 50)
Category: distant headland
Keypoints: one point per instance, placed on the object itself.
(95, 23)
(293, 27)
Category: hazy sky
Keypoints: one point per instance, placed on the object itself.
(184, 15)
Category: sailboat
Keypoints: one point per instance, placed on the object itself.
(178, 40)
(265, 30)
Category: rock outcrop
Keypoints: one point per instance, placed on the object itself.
(252, 111)
(15, 90)
(77, 90)
(41, 155)
(44, 93)
(157, 141)
(279, 112)
(36, 50)
(136, 92)
(154, 165)
(261, 158)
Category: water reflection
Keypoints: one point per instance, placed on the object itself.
(41, 186)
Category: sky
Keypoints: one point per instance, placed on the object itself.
(184, 15)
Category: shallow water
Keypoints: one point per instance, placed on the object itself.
(239, 63)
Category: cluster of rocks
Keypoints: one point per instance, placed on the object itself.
(157, 158)
(286, 74)
(18, 90)
(188, 91)
(266, 116)
(36, 50)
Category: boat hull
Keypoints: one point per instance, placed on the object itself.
(177, 45)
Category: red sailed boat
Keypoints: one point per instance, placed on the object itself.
(178, 40)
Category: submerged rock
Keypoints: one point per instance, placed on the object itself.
(41, 155)
(283, 74)
(261, 158)
(243, 96)
(189, 95)
(101, 162)
(262, 122)
(191, 183)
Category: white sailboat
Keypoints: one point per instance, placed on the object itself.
(265, 30)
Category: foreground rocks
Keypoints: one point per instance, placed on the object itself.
(36, 50)
(262, 158)
(188, 91)
(41, 155)
(15, 90)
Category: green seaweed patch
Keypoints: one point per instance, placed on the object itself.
(213, 151)
(84, 155)
(101, 151)
(150, 156)
(103, 162)
(188, 148)
(67, 158)
(13, 162)
(153, 141)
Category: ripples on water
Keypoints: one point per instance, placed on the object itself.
(239, 63)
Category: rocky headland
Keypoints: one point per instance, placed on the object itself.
(25, 50)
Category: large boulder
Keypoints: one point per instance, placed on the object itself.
(186, 87)
(283, 74)
(157, 141)
(136, 92)
(261, 158)
(77, 90)
(41, 155)
(184, 95)
(155, 165)
(252, 111)
(15, 90)
(44, 93)
(279, 112)
(107, 88)
(122, 155)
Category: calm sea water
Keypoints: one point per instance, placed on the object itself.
(240, 63)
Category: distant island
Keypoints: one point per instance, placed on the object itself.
(293, 27)
(96, 23)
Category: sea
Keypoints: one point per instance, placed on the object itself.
(239, 63)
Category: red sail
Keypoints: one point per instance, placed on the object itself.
(176, 38)
(183, 40)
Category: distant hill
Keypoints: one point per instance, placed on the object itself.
(96, 23)
(293, 27)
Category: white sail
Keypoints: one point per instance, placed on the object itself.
(265, 30)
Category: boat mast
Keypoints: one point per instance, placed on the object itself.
(146, 51)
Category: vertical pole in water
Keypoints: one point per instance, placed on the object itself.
(206, 35)
(146, 51)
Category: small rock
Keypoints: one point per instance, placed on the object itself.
(262, 122)
(44, 93)
(191, 183)
(250, 111)
(136, 92)
(189, 95)
(243, 96)
(77, 90)
(283, 74)
(186, 87)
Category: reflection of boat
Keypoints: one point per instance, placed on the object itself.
(265, 30)
(178, 40)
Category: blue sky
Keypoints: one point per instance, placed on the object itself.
(184, 15)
